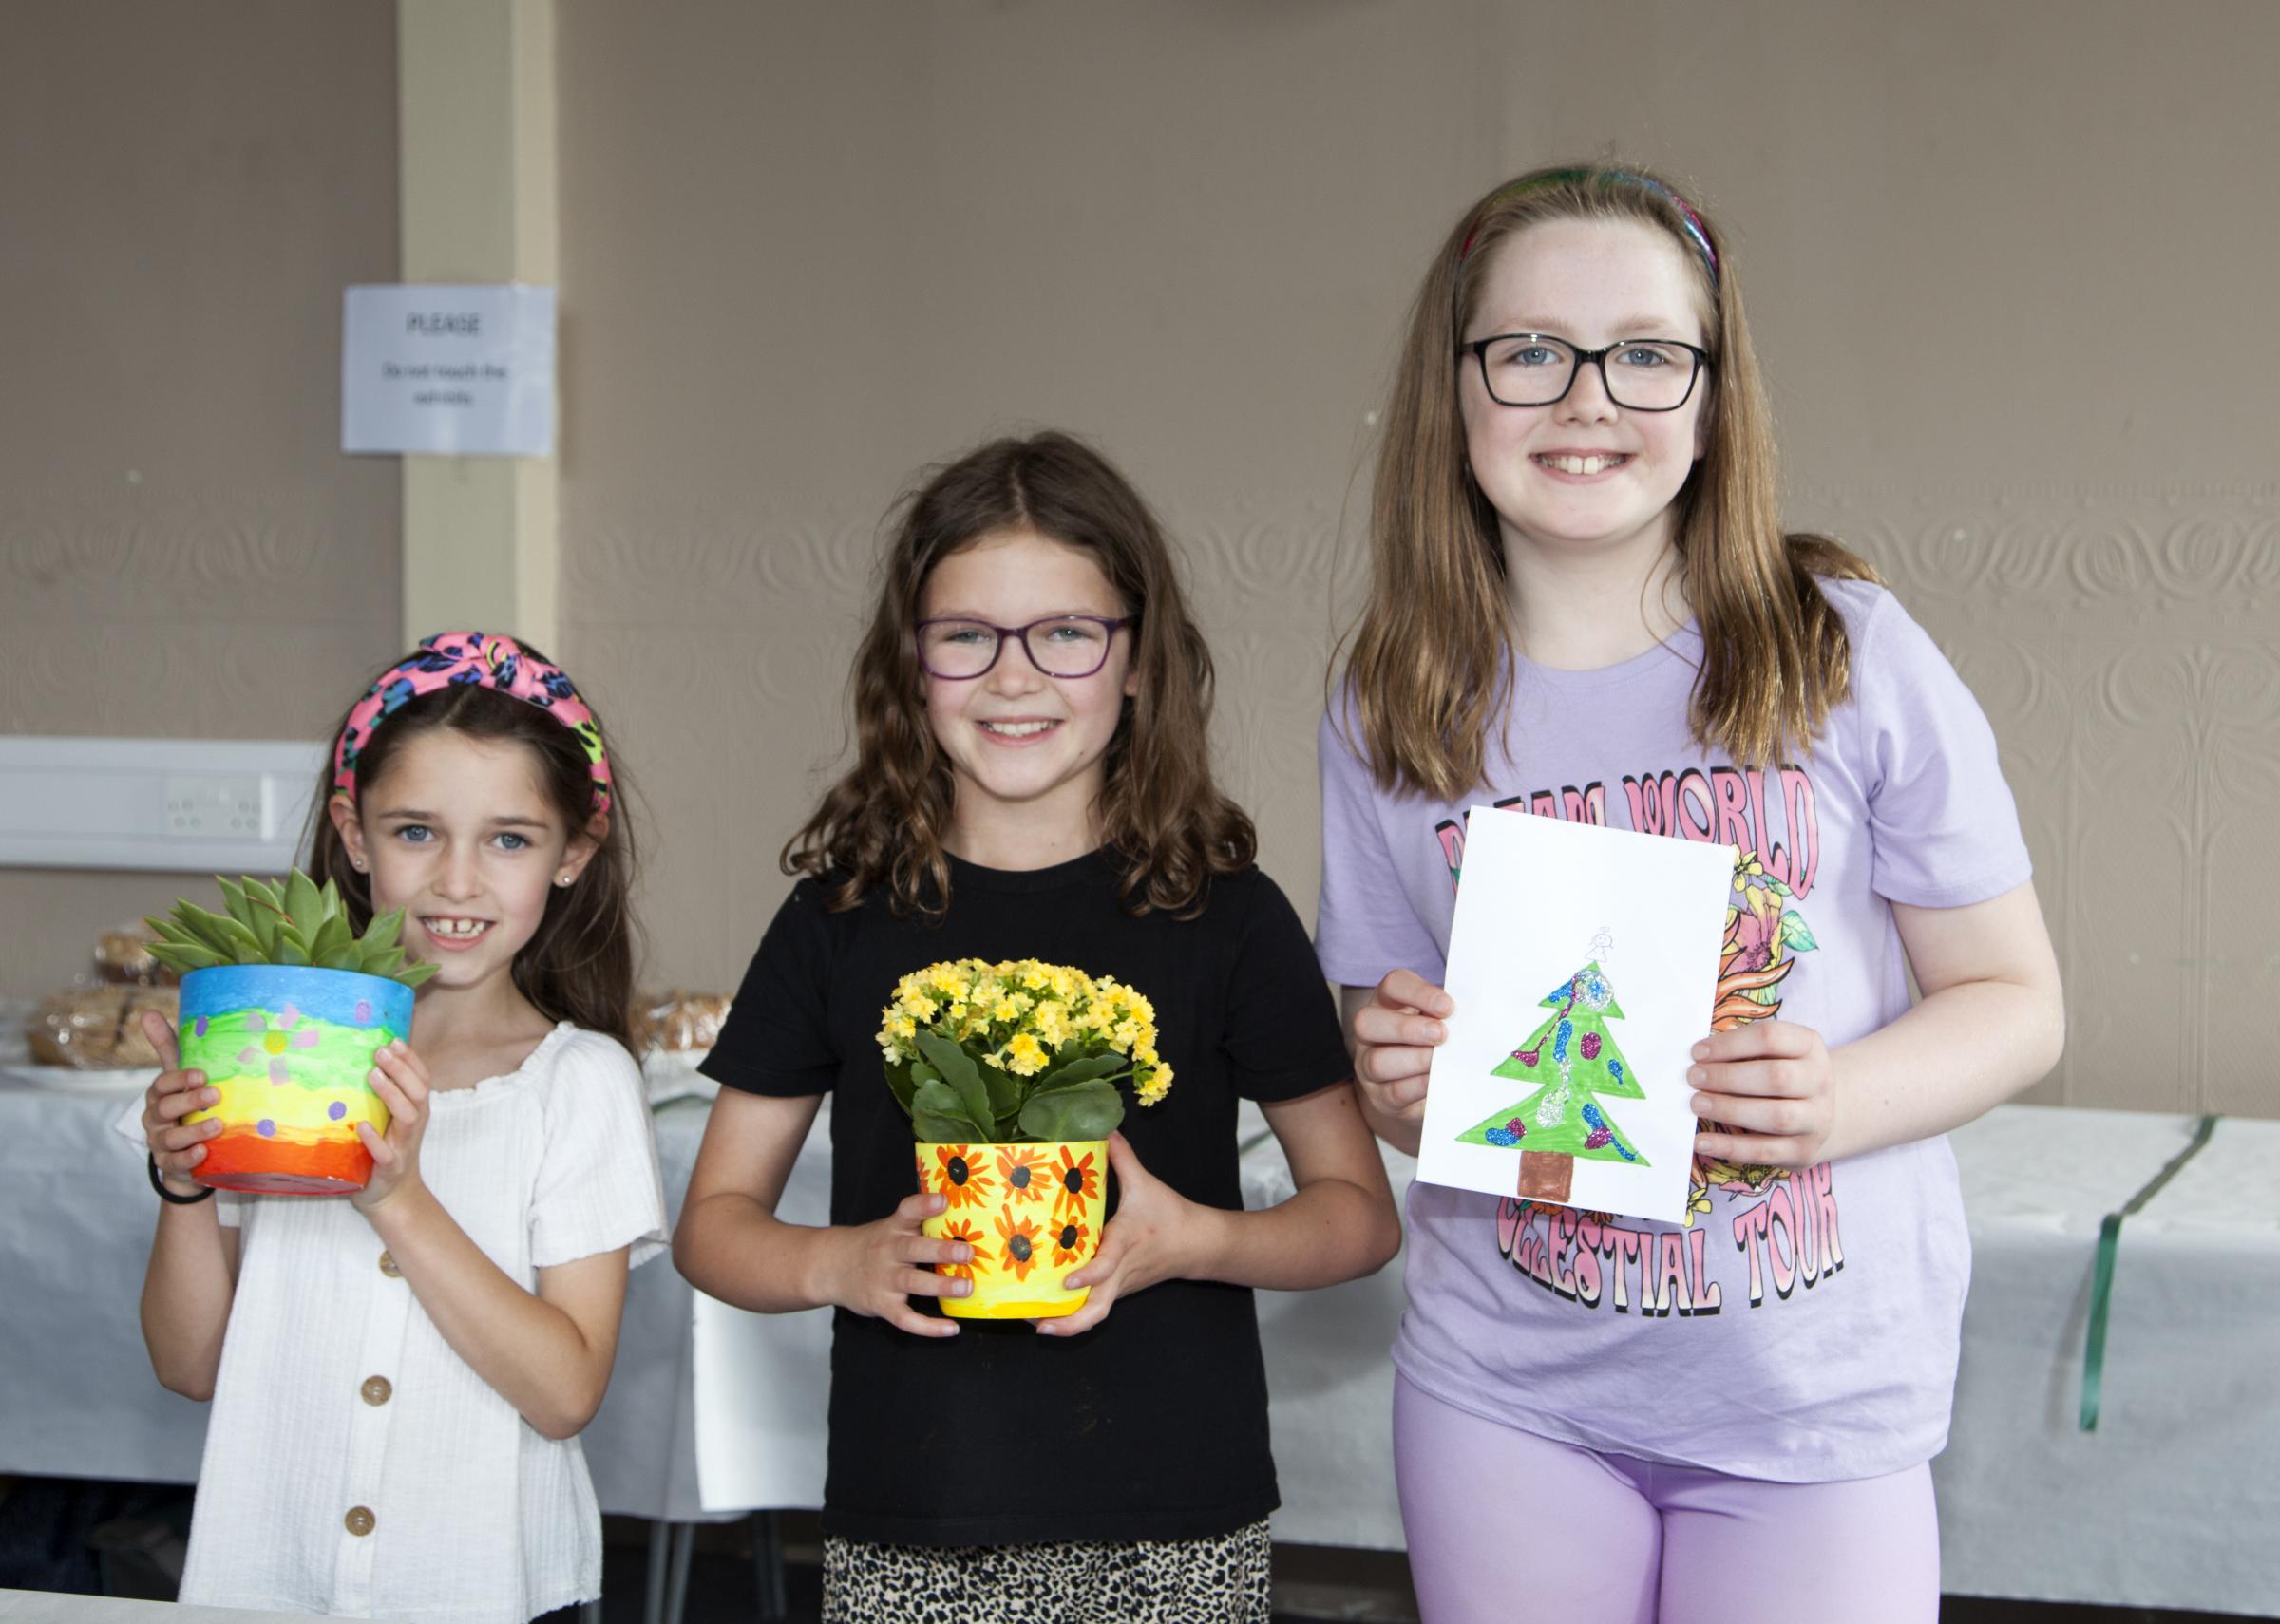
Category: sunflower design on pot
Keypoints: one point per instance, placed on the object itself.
(1009, 1072)
(960, 1175)
(1024, 1173)
(967, 1231)
(1073, 1182)
(1024, 1247)
(1072, 1244)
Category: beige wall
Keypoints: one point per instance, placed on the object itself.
(183, 550)
(2003, 265)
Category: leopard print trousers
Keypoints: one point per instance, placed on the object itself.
(1222, 1580)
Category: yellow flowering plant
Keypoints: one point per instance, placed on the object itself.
(1017, 1051)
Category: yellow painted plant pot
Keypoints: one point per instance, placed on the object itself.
(1030, 1212)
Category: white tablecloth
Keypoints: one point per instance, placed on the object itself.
(2171, 1502)
(77, 1397)
(2175, 1500)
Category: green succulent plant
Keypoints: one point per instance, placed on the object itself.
(295, 923)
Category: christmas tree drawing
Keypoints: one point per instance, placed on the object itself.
(1571, 1057)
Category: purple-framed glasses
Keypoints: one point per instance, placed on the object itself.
(957, 649)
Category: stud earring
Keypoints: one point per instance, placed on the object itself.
(564, 878)
(356, 864)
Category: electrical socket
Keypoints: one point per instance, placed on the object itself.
(199, 805)
(214, 806)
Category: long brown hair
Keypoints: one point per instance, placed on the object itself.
(884, 823)
(1428, 665)
(579, 964)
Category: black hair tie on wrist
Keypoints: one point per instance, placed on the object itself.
(150, 1159)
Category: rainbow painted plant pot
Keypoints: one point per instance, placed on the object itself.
(1030, 1212)
(291, 1049)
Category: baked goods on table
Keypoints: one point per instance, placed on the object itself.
(97, 1029)
(123, 956)
(673, 1034)
(679, 1020)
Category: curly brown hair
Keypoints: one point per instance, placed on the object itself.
(1160, 812)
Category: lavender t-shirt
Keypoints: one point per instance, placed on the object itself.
(1800, 1327)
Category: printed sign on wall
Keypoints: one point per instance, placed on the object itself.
(455, 371)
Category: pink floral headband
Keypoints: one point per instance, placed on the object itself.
(465, 660)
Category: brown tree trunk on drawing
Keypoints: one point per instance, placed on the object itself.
(1545, 1176)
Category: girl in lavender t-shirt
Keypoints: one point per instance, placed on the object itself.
(1583, 607)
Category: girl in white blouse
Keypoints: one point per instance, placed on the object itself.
(399, 1377)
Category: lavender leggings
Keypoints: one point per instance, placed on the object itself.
(1505, 1526)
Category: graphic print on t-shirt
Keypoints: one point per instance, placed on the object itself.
(1789, 1231)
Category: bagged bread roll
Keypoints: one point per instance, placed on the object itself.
(679, 1020)
(123, 956)
(98, 1028)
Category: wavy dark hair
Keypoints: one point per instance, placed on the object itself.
(579, 964)
(1427, 660)
(884, 820)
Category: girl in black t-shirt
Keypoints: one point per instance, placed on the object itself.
(1033, 780)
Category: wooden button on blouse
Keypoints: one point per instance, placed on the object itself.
(359, 1520)
(387, 1266)
(376, 1390)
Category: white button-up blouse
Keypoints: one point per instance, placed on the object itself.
(355, 1463)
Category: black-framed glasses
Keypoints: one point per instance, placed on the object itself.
(1535, 369)
(1059, 644)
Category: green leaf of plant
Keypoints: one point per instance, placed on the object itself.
(205, 927)
(329, 900)
(1083, 1110)
(899, 1083)
(413, 974)
(1085, 1069)
(302, 900)
(185, 956)
(328, 947)
(261, 891)
(267, 917)
(939, 1115)
(379, 961)
(385, 929)
(225, 934)
(290, 949)
(1005, 1092)
(172, 930)
(233, 897)
(960, 1073)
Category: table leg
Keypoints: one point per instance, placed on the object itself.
(653, 1600)
(767, 1562)
(684, 1546)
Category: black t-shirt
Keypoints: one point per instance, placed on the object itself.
(1152, 1425)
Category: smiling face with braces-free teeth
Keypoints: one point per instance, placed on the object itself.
(1025, 748)
(459, 833)
(1584, 473)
